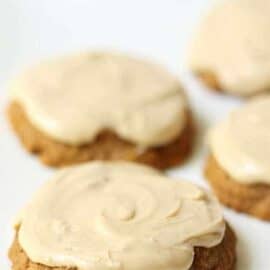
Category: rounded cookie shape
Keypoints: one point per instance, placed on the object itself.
(116, 215)
(74, 98)
(240, 149)
(238, 60)
(71, 102)
(241, 142)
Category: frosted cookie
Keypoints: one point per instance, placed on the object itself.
(239, 165)
(231, 49)
(101, 106)
(118, 215)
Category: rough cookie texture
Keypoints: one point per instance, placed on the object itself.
(221, 257)
(251, 199)
(107, 146)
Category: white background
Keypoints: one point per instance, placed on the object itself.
(160, 29)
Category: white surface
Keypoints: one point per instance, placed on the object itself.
(33, 29)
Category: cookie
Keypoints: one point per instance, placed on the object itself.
(252, 199)
(102, 106)
(121, 216)
(236, 61)
(238, 166)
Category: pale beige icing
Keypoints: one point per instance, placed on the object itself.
(241, 143)
(233, 41)
(73, 99)
(105, 215)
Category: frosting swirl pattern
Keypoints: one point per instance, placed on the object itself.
(74, 98)
(104, 215)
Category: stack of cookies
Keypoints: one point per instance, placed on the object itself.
(112, 117)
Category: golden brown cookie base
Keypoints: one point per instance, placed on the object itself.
(107, 146)
(221, 257)
(251, 199)
(210, 80)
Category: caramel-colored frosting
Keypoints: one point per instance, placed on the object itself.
(116, 215)
(73, 99)
(233, 42)
(241, 143)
